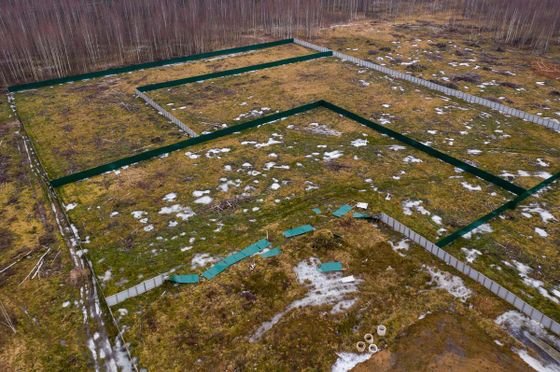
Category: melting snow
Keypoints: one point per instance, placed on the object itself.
(411, 159)
(204, 200)
(71, 206)
(470, 187)
(409, 205)
(546, 216)
(323, 129)
(359, 142)
(541, 232)
(482, 229)
(181, 212)
(324, 289)
(169, 197)
(471, 254)
(347, 361)
(332, 155)
(451, 283)
(400, 246)
(202, 259)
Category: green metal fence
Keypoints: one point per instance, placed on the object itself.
(136, 67)
(235, 71)
(503, 208)
(284, 114)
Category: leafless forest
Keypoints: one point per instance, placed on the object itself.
(52, 38)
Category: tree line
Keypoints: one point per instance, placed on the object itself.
(52, 38)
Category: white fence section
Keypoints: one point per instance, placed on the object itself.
(138, 289)
(548, 123)
(166, 114)
(491, 285)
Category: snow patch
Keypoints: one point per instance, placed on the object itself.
(323, 289)
(451, 283)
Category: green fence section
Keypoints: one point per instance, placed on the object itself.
(136, 67)
(427, 149)
(280, 115)
(235, 71)
(342, 210)
(181, 145)
(184, 279)
(300, 230)
(507, 206)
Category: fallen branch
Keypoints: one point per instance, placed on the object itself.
(7, 320)
(35, 270)
(17, 260)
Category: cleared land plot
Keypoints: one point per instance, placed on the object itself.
(189, 208)
(222, 324)
(160, 213)
(79, 125)
(520, 250)
(452, 56)
(521, 152)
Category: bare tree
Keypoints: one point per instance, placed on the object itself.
(52, 38)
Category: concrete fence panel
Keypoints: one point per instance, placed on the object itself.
(467, 270)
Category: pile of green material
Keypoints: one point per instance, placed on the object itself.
(330, 266)
(271, 253)
(342, 210)
(300, 230)
(184, 279)
(361, 215)
(234, 258)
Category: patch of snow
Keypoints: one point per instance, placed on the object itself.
(482, 229)
(411, 159)
(474, 152)
(347, 361)
(215, 153)
(323, 289)
(180, 211)
(437, 219)
(323, 129)
(202, 259)
(332, 155)
(471, 254)
(396, 147)
(546, 216)
(470, 187)
(400, 246)
(359, 142)
(541, 232)
(536, 364)
(204, 200)
(169, 197)
(191, 155)
(451, 283)
(70, 206)
(409, 205)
